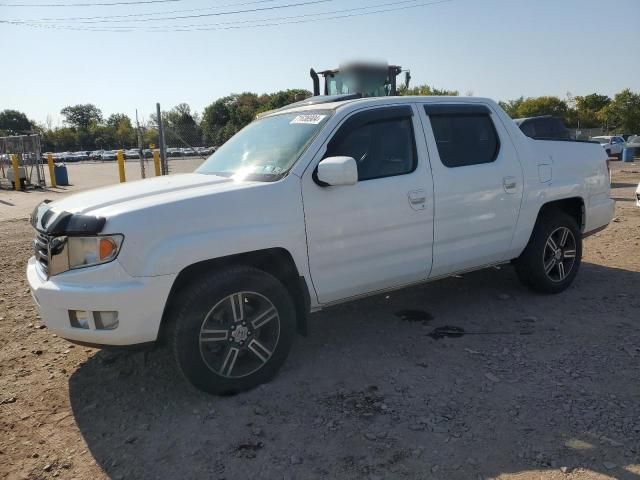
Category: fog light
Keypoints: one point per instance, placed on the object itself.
(79, 319)
(105, 320)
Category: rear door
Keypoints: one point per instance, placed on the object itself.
(478, 184)
(377, 233)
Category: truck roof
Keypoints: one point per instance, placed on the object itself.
(310, 104)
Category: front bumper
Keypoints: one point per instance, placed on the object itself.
(139, 302)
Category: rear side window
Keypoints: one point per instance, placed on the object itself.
(465, 138)
(529, 129)
(544, 128)
(382, 143)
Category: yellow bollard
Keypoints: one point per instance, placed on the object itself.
(156, 162)
(120, 156)
(52, 172)
(16, 171)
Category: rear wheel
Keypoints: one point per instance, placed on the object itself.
(552, 257)
(233, 330)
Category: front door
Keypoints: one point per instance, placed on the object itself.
(377, 233)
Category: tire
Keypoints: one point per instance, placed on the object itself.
(232, 330)
(538, 267)
(608, 152)
(619, 156)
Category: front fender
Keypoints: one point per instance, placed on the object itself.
(177, 252)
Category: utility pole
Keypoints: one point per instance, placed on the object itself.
(140, 149)
(163, 147)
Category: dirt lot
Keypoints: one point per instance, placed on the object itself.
(539, 387)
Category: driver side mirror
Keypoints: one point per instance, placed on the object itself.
(336, 171)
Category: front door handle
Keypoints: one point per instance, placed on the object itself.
(510, 184)
(417, 199)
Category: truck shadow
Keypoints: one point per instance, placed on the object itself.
(536, 384)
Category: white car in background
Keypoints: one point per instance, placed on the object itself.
(108, 155)
(612, 144)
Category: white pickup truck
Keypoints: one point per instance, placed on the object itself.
(309, 206)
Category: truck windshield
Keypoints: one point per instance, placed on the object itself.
(266, 149)
(369, 84)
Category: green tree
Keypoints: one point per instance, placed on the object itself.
(623, 113)
(182, 126)
(13, 122)
(115, 119)
(533, 107)
(427, 90)
(81, 116)
(588, 109)
(512, 106)
(124, 133)
(283, 98)
(214, 119)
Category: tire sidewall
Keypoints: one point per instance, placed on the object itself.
(196, 303)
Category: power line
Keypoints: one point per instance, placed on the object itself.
(200, 15)
(137, 15)
(290, 17)
(40, 5)
(61, 20)
(335, 17)
(239, 24)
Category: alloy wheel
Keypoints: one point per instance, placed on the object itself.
(239, 334)
(559, 256)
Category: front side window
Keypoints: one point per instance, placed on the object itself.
(465, 139)
(265, 150)
(383, 146)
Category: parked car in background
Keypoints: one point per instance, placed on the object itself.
(80, 156)
(96, 154)
(634, 141)
(174, 152)
(612, 144)
(132, 153)
(108, 155)
(544, 127)
(308, 207)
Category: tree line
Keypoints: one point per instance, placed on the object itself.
(86, 128)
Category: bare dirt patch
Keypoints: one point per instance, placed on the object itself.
(536, 387)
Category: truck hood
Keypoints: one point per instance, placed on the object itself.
(116, 199)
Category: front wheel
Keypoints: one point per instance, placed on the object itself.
(551, 260)
(233, 330)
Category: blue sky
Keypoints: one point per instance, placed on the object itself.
(495, 48)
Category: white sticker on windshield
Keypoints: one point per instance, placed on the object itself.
(308, 119)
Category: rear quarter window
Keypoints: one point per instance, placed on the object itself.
(465, 139)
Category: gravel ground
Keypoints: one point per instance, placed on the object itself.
(539, 387)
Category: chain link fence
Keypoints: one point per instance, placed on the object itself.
(25, 151)
(178, 138)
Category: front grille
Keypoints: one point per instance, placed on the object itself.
(41, 248)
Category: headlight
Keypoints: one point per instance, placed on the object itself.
(68, 253)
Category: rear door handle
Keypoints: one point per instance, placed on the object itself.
(510, 184)
(417, 199)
